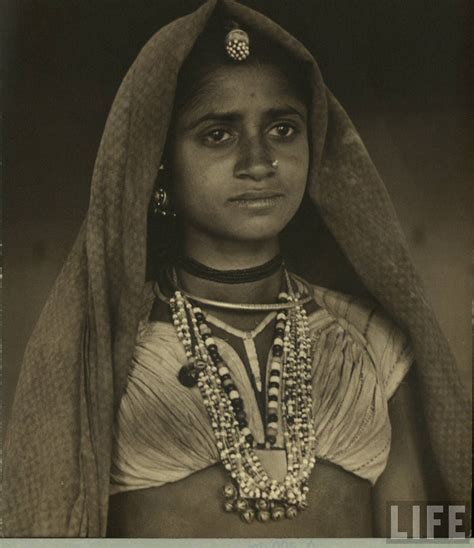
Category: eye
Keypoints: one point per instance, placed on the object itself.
(217, 136)
(283, 130)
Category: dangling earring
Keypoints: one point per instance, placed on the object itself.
(161, 201)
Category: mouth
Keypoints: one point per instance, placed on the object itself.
(257, 199)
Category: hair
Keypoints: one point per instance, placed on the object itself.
(209, 54)
(194, 78)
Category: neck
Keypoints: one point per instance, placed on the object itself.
(232, 256)
(261, 291)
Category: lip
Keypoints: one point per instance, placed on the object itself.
(256, 195)
(258, 203)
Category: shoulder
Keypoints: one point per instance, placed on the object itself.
(154, 318)
(353, 313)
(370, 326)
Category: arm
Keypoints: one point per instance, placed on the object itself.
(405, 477)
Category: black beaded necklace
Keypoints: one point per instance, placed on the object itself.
(245, 275)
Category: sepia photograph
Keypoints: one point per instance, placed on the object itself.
(237, 269)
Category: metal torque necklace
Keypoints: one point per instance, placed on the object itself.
(268, 483)
(303, 299)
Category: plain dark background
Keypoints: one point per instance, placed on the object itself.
(398, 66)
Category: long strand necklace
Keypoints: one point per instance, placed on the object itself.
(252, 492)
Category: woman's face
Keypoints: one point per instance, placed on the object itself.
(240, 155)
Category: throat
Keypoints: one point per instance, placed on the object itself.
(233, 276)
(260, 291)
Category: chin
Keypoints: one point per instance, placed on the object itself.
(258, 231)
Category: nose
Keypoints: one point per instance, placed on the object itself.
(254, 161)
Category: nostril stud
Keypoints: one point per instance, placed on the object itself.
(275, 163)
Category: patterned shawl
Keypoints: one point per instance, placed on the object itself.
(58, 448)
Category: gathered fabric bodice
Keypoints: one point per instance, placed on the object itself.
(162, 432)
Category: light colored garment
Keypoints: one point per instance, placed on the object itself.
(162, 432)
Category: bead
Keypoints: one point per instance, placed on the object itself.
(291, 512)
(188, 376)
(263, 516)
(271, 439)
(274, 384)
(241, 505)
(214, 357)
(241, 415)
(200, 365)
(247, 515)
(277, 350)
(238, 404)
(233, 394)
(278, 513)
(261, 504)
(302, 505)
(230, 492)
(203, 328)
(229, 386)
(228, 506)
(272, 418)
(249, 439)
(273, 391)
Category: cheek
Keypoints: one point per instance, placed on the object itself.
(199, 185)
(295, 173)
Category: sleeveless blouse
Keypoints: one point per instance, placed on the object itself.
(162, 432)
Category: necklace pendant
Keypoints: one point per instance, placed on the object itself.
(188, 376)
(273, 462)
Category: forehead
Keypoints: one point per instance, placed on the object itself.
(243, 87)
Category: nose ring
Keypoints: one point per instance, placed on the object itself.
(275, 163)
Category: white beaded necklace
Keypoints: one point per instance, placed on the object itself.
(253, 493)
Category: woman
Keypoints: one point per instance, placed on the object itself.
(247, 146)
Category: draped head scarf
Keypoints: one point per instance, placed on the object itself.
(59, 440)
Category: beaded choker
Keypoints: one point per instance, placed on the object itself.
(242, 276)
(253, 493)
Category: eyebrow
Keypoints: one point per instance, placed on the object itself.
(235, 116)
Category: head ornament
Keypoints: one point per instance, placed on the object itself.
(237, 44)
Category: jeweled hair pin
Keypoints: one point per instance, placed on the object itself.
(237, 44)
